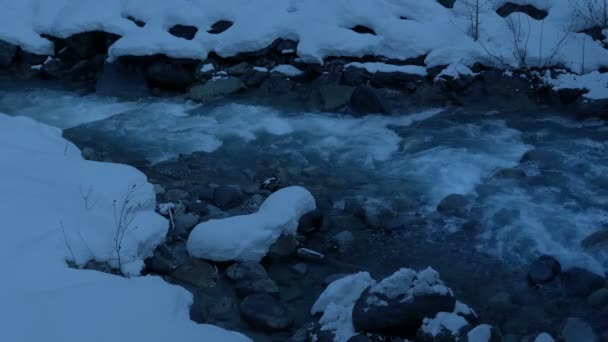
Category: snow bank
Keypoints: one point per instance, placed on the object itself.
(337, 302)
(402, 29)
(58, 207)
(248, 237)
(596, 83)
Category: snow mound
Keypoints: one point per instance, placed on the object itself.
(248, 237)
(59, 208)
(407, 283)
(595, 82)
(337, 302)
(443, 321)
(399, 30)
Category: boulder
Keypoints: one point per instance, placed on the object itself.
(167, 74)
(580, 282)
(228, 196)
(366, 100)
(598, 299)
(220, 26)
(310, 221)
(543, 270)
(399, 303)
(509, 8)
(216, 88)
(342, 242)
(447, 3)
(383, 79)
(198, 273)
(7, 54)
(284, 247)
(597, 239)
(334, 97)
(87, 45)
(244, 270)
(453, 205)
(265, 312)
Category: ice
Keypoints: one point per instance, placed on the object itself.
(60, 208)
(337, 301)
(248, 237)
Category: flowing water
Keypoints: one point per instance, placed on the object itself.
(557, 198)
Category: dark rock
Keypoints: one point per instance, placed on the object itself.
(184, 223)
(246, 270)
(166, 74)
(265, 312)
(228, 197)
(509, 8)
(447, 3)
(501, 302)
(310, 221)
(577, 330)
(361, 29)
(598, 299)
(510, 173)
(176, 195)
(137, 22)
(454, 205)
(353, 76)
(580, 282)
(197, 273)
(167, 258)
(216, 88)
(544, 158)
(342, 241)
(334, 97)
(596, 239)
(220, 26)
(30, 58)
(277, 85)
(249, 286)
(184, 31)
(7, 54)
(543, 270)
(568, 96)
(366, 100)
(120, 80)
(299, 269)
(87, 45)
(284, 247)
(239, 69)
(395, 79)
(359, 338)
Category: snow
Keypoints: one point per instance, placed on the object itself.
(595, 82)
(544, 337)
(260, 69)
(443, 321)
(322, 29)
(455, 71)
(463, 309)
(408, 284)
(207, 67)
(59, 208)
(337, 302)
(287, 70)
(481, 333)
(374, 67)
(248, 237)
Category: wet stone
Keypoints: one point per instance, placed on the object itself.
(265, 312)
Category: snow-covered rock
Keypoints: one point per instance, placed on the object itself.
(444, 325)
(287, 70)
(399, 303)
(336, 304)
(248, 237)
(595, 83)
(59, 207)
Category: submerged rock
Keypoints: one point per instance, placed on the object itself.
(216, 88)
(454, 205)
(265, 312)
(365, 100)
(581, 282)
(597, 239)
(543, 270)
(227, 197)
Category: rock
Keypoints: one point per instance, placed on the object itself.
(246, 287)
(244, 270)
(510, 173)
(543, 270)
(395, 79)
(365, 100)
(120, 80)
(577, 330)
(196, 272)
(227, 196)
(220, 26)
(299, 269)
(176, 195)
(310, 221)
(447, 3)
(398, 304)
(216, 88)
(453, 205)
(265, 312)
(167, 258)
(353, 76)
(580, 282)
(359, 338)
(184, 31)
(239, 69)
(596, 239)
(598, 299)
(568, 96)
(277, 84)
(284, 247)
(510, 7)
(501, 302)
(483, 333)
(87, 45)
(30, 58)
(184, 223)
(334, 97)
(254, 77)
(544, 158)
(167, 74)
(342, 241)
(7, 54)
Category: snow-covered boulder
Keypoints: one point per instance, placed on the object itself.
(248, 237)
(445, 326)
(336, 304)
(398, 304)
(59, 208)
